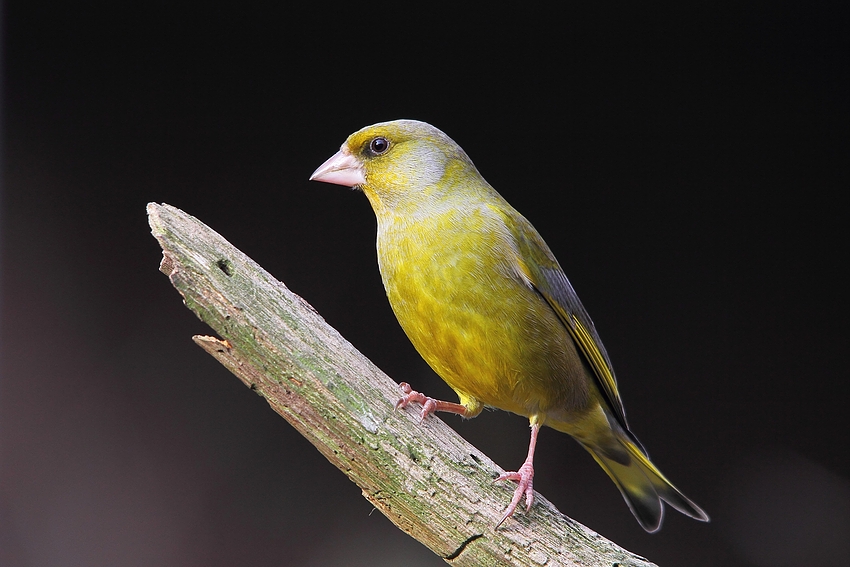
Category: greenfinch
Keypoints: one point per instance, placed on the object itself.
(486, 304)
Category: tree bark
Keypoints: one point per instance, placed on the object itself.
(425, 478)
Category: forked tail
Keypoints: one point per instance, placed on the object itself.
(642, 484)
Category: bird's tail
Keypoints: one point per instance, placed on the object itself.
(641, 483)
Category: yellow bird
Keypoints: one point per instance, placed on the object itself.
(486, 304)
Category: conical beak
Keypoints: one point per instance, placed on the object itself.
(341, 169)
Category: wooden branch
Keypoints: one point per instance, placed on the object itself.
(424, 477)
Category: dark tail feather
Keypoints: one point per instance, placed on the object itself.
(642, 484)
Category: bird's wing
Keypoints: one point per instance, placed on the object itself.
(547, 278)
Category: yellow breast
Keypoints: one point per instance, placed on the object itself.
(452, 280)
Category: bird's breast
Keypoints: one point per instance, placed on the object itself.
(453, 285)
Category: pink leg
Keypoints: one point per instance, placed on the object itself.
(429, 405)
(524, 478)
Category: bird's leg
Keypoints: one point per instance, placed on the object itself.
(429, 405)
(524, 478)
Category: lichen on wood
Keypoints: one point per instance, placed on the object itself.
(424, 477)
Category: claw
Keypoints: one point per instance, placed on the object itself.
(402, 403)
(524, 478)
(429, 405)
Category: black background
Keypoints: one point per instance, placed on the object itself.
(688, 166)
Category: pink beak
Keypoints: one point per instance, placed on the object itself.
(341, 169)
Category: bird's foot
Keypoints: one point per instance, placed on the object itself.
(524, 478)
(429, 405)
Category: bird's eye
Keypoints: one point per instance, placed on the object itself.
(379, 145)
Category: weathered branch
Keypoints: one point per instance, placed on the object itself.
(424, 477)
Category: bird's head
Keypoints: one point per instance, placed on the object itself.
(400, 163)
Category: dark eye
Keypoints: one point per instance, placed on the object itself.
(379, 145)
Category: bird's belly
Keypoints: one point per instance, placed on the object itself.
(493, 339)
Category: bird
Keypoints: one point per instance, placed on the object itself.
(485, 302)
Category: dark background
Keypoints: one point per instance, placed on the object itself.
(687, 165)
